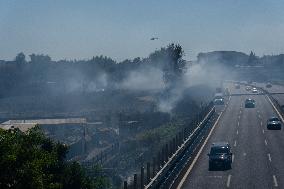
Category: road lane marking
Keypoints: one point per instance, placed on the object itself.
(240, 111)
(235, 144)
(261, 123)
(244, 154)
(239, 117)
(265, 141)
(229, 181)
(216, 176)
(269, 157)
(259, 116)
(275, 181)
(237, 132)
(233, 158)
(263, 131)
(238, 123)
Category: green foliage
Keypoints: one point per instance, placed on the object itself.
(30, 160)
(20, 58)
(171, 62)
(39, 59)
(252, 59)
(160, 135)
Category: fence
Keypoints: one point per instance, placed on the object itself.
(152, 175)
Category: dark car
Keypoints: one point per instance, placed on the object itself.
(274, 123)
(219, 101)
(220, 156)
(249, 103)
(268, 85)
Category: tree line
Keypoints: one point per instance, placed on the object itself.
(41, 70)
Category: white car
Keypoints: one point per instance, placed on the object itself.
(254, 90)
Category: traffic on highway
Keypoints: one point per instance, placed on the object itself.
(246, 147)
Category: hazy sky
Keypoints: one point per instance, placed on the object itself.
(122, 28)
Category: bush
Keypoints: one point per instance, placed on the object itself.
(30, 160)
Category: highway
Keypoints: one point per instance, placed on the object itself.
(258, 153)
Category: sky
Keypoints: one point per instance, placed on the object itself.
(121, 29)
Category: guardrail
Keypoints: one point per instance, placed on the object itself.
(169, 163)
(276, 104)
(156, 182)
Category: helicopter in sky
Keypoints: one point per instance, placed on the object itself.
(154, 38)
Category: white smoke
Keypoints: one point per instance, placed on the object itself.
(146, 79)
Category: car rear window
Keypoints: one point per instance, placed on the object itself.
(219, 150)
(274, 119)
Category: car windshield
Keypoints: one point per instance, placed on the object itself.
(219, 150)
(249, 101)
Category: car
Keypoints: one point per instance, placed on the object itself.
(249, 103)
(219, 101)
(274, 123)
(254, 90)
(248, 88)
(220, 156)
(237, 86)
(268, 85)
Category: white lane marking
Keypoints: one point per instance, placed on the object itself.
(237, 132)
(199, 152)
(240, 111)
(238, 123)
(239, 117)
(269, 157)
(233, 158)
(229, 181)
(265, 141)
(275, 181)
(261, 123)
(263, 131)
(244, 154)
(215, 176)
(235, 144)
(259, 116)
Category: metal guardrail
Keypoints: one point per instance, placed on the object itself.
(163, 178)
(275, 103)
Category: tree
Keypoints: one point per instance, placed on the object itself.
(171, 62)
(30, 160)
(252, 60)
(20, 58)
(40, 58)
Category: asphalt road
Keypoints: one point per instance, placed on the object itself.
(258, 153)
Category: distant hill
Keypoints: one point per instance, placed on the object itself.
(228, 58)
